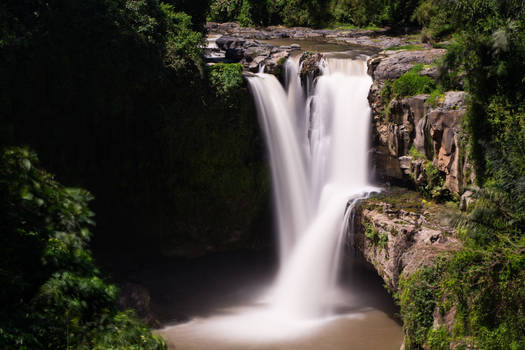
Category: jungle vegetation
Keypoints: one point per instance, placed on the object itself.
(114, 96)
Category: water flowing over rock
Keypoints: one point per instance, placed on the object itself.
(313, 173)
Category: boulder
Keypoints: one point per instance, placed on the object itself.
(137, 297)
(392, 65)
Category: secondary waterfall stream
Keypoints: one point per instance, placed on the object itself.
(317, 138)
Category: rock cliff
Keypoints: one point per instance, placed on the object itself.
(414, 135)
(399, 233)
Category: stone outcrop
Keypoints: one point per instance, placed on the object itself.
(399, 233)
(410, 132)
(373, 38)
(398, 240)
(391, 65)
(137, 297)
(253, 54)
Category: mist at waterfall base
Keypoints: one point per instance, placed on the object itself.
(318, 139)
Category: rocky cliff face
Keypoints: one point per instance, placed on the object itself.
(412, 131)
(399, 232)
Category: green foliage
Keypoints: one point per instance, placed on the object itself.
(417, 297)
(183, 45)
(377, 238)
(227, 10)
(486, 285)
(386, 92)
(436, 96)
(435, 184)
(409, 47)
(226, 78)
(439, 339)
(484, 280)
(412, 83)
(62, 304)
(134, 120)
(316, 13)
(415, 154)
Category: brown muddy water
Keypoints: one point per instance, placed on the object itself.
(218, 306)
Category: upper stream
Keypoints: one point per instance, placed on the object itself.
(317, 138)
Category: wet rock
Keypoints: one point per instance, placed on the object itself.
(375, 38)
(274, 63)
(137, 297)
(310, 65)
(229, 42)
(235, 54)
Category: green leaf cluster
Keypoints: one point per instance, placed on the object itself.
(226, 79)
(315, 13)
(412, 83)
(52, 295)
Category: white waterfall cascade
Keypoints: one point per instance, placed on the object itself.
(318, 148)
(317, 141)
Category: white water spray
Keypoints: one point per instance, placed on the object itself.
(318, 152)
(317, 140)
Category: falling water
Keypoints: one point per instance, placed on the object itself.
(317, 140)
(318, 152)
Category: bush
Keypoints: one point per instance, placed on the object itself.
(417, 297)
(411, 83)
(183, 45)
(226, 78)
(64, 303)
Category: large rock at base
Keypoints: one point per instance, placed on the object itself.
(137, 297)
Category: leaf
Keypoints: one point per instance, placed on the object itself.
(26, 164)
(25, 194)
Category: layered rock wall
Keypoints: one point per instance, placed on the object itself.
(399, 233)
(410, 132)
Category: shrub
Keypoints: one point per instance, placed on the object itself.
(183, 44)
(411, 83)
(64, 303)
(226, 78)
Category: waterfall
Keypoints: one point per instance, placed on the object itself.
(318, 144)
(317, 139)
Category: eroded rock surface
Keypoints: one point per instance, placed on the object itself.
(253, 54)
(398, 239)
(398, 232)
(403, 125)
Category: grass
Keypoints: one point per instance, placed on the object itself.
(409, 47)
(348, 26)
(412, 83)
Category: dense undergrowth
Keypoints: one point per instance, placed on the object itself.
(122, 104)
(115, 97)
(316, 13)
(482, 285)
(52, 295)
